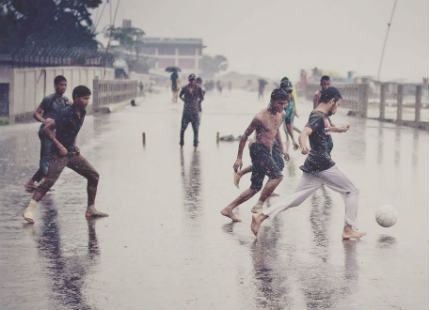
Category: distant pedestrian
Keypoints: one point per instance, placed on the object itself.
(175, 85)
(219, 86)
(203, 93)
(291, 112)
(191, 95)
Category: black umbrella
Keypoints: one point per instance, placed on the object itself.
(173, 69)
(262, 82)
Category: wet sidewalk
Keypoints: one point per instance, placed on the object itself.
(165, 245)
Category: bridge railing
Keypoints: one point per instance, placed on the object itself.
(107, 93)
(355, 96)
(404, 104)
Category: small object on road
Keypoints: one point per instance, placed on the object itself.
(144, 138)
(386, 215)
(229, 138)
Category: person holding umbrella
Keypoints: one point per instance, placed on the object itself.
(175, 81)
(261, 88)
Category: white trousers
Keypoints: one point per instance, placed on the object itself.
(309, 183)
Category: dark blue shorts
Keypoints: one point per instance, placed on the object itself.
(263, 164)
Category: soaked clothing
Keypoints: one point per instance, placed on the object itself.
(45, 153)
(191, 99)
(194, 119)
(51, 106)
(277, 155)
(310, 183)
(263, 164)
(319, 158)
(174, 77)
(289, 110)
(68, 125)
(191, 110)
(77, 163)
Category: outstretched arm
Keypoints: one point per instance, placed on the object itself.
(239, 163)
(303, 138)
(49, 132)
(339, 129)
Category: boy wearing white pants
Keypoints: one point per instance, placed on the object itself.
(319, 168)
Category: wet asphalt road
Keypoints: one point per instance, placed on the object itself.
(165, 245)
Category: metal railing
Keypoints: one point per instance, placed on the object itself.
(108, 92)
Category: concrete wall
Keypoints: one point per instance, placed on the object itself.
(28, 86)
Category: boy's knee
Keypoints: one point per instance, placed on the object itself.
(255, 188)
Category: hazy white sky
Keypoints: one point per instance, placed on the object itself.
(279, 37)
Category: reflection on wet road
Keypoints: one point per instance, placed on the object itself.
(165, 246)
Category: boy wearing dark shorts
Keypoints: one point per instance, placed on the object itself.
(266, 124)
(65, 153)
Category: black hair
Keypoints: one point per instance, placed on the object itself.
(278, 93)
(324, 78)
(330, 93)
(80, 91)
(59, 78)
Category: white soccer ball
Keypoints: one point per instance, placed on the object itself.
(386, 215)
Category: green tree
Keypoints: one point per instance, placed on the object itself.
(46, 23)
(129, 38)
(211, 65)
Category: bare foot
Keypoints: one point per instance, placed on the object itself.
(228, 213)
(257, 220)
(93, 212)
(349, 233)
(237, 177)
(28, 215)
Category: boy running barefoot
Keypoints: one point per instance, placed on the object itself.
(66, 153)
(266, 124)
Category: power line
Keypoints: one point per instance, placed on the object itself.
(385, 40)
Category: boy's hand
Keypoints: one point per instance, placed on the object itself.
(305, 150)
(238, 164)
(345, 128)
(286, 156)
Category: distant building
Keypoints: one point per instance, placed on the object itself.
(184, 53)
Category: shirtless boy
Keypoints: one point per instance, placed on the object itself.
(266, 124)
